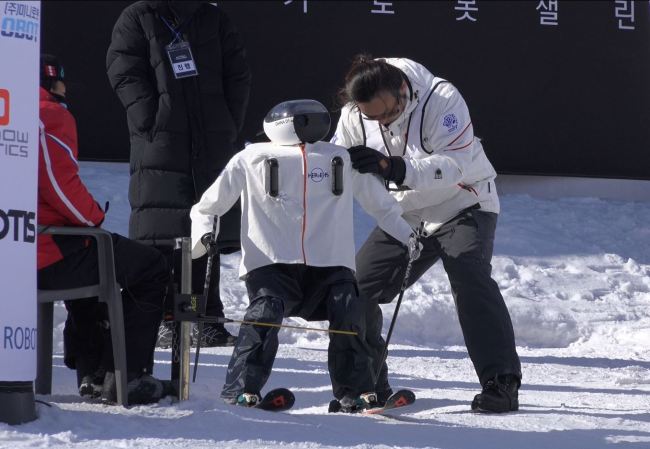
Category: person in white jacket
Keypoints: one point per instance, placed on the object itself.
(298, 256)
(413, 129)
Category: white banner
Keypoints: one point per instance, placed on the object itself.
(19, 81)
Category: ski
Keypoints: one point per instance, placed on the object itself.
(277, 400)
(402, 398)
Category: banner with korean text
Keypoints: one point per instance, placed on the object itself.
(553, 87)
(19, 73)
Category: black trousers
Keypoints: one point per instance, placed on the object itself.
(464, 244)
(283, 290)
(143, 274)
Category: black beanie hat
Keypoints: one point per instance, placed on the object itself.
(51, 70)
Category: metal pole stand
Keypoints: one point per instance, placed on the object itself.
(17, 399)
(181, 336)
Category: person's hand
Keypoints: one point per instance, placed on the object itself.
(368, 160)
(210, 244)
(414, 247)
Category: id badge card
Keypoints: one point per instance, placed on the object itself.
(180, 57)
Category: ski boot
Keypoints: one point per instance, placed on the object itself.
(349, 404)
(248, 399)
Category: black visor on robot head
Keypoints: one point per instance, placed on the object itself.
(311, 121)
(51, 71)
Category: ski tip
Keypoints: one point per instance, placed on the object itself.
(401, 398)
(282, 392)
(406, 395)
(277, 400)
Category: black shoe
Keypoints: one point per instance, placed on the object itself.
(142, 389)
(146, 389)
(334, 407)
(499, 395)
(91, 385)
(214, 334)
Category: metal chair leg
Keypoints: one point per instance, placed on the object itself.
(44, 320)
(116, 318)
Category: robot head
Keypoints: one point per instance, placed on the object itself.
(297, 121)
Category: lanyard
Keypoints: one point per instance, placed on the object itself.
(180, 53)
(177, 35)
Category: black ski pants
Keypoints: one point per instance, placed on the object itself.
(143, 274)
(283, 290)
(465, 245)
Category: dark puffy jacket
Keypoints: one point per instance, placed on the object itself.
(182, 131)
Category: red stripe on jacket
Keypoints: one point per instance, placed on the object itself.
(459, 135)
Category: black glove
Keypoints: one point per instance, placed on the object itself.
(210, 244)
(367, 160)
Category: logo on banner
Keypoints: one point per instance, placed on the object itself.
(19, 49)
(13, 142)
(4, 107)
(18, 225)
(19, 338)
(21, 21)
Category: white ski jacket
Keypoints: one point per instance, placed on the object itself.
(305, 222)
(446, 167)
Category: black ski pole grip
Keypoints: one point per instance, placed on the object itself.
(337, 176)
(271, 179)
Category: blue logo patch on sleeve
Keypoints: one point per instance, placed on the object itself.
(450, 122)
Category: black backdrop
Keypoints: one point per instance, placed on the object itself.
(565, 99)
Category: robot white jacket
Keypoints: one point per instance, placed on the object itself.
(302, 220)
(446, 167)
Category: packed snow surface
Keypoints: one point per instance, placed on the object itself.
(575, 274)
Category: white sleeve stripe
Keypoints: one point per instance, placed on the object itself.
(57, 188)
(67, 148)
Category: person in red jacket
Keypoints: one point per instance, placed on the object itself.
(71, 261)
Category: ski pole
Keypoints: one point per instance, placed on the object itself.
(405, 282)
(206, 293)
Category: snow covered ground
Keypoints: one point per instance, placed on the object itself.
(575, 274)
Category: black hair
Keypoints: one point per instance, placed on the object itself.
(367, 77)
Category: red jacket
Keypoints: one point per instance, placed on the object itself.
(63, 200)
